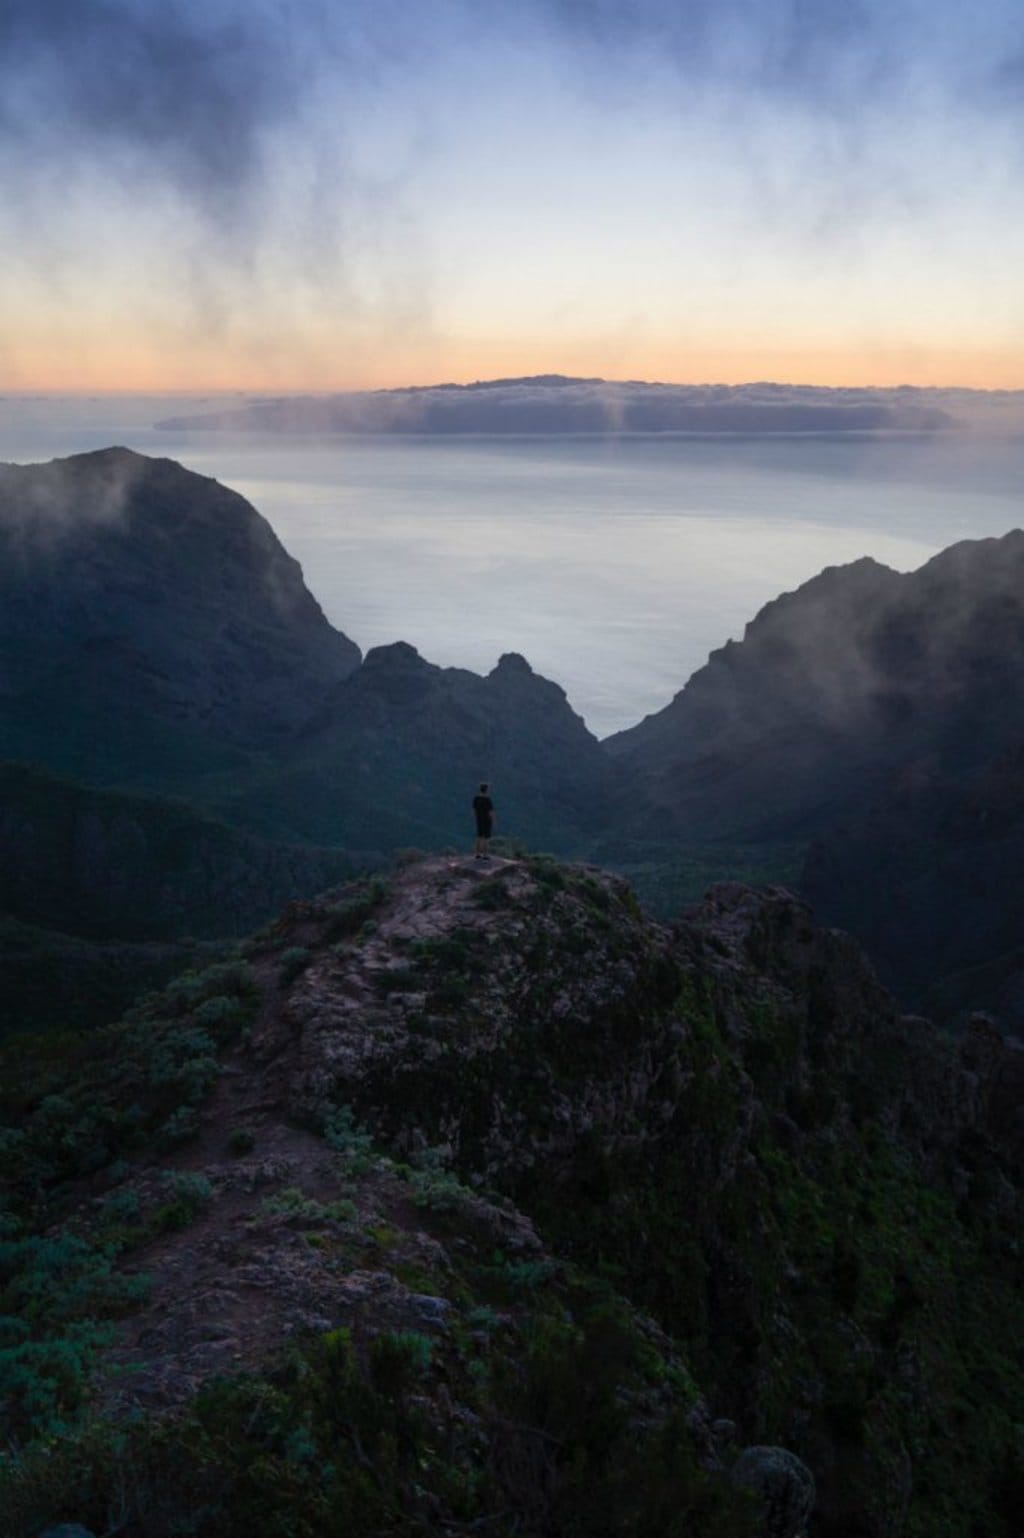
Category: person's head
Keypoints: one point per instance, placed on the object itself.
(484, 787)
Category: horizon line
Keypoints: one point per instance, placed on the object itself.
(23, 392)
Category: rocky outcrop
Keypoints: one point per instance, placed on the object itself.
(782, 1486)
(630, 1196)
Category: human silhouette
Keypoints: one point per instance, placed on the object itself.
(483, 809)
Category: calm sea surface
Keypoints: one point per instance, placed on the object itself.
(613, 565)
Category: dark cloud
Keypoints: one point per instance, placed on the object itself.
(803, 48)
(192, 91)
(184, 94)
(836, 56)
(315, 147)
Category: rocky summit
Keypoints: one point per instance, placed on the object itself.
(473, 1200)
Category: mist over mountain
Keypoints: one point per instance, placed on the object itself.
(149, 615)
(860, 675)
(554, 403)
(471, 1187)
(155, 635)
(880, 718)
(863, 736)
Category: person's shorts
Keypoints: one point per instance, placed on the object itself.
(483, 827)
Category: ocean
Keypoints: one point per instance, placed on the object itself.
(614, 565)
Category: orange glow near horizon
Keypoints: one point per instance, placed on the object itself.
(138, 371)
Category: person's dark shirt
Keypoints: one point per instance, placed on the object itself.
(483, 806)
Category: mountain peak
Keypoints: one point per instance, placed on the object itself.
(135, 591)
(511, 663)
(394, 655)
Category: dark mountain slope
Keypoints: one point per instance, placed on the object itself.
(859, 674)
(877, 719)
(399, 747)
(101, 893)
(155, 635)
(929, 878)
(151, 624)
(473, 1201)
(60, 983)
(778, 728)
(105, 865)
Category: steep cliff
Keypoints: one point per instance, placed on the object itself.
(858, 676)
(152, 626)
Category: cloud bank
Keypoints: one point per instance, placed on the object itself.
(556, 404)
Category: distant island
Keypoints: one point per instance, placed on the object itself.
(558, 404)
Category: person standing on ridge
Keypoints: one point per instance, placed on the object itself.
(483, 808)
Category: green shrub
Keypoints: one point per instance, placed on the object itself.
(120, 1207)
(346, 1137)
(399, 980)
(434, 1186)
(294, 961)
(398, 1360)
(189, 1195)
(180, 1127)
(292, 1203)
(492, 895)
(219, 1014)
(354, 915)
(54, 1295)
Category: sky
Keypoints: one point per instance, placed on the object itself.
(307, 195)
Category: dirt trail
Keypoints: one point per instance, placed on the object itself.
(238, 1280)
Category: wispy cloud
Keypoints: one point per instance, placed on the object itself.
(296, 176)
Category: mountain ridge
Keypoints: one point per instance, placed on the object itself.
(228, 687)
(710, 1177)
